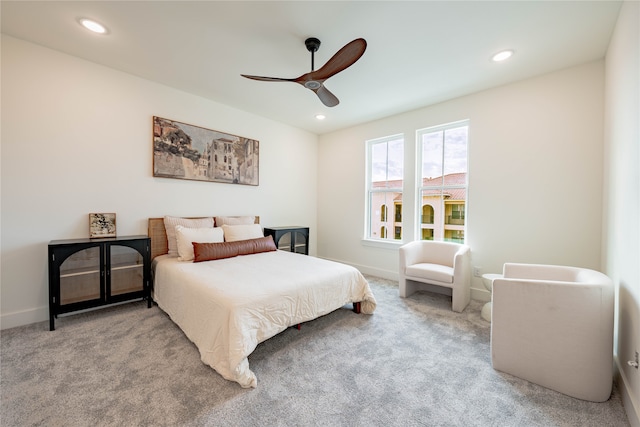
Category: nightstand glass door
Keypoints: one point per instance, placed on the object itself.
(284, 243)
(299, 242)
(80, 276)
(127, 270)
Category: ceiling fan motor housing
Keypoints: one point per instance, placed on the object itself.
(313, 44)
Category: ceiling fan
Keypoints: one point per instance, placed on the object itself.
(314, 80)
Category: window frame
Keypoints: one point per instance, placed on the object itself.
(369, 190)
(419, 183)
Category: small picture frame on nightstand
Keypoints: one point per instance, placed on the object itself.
(102, 225)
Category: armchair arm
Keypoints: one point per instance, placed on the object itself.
(462, 265)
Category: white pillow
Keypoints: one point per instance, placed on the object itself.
(186, 236)
(234, 233)
(170, 223)
(234, 220)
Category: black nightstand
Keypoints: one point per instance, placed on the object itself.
(291, 239)
(87, 273)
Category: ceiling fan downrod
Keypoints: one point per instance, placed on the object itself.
(313, 44)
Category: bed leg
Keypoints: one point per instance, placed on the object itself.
(356, 307)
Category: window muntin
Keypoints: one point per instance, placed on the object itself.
(385, 173)
(442, 186)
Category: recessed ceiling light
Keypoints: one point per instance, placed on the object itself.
(93, 26)
(501, 56)
(320, 116)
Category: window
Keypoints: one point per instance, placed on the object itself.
(385, 170)
(442, 186)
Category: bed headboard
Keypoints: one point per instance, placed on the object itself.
(158, 235)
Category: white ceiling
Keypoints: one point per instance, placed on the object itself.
(419, 52)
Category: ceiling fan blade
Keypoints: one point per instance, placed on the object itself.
(268, 79)
(343, 59)
(327, 98)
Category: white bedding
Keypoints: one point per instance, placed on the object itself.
(228, 306)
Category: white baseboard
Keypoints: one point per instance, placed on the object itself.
(25, 317)
(365, 269)
(482, 295)
(385, 274)
(629, 399)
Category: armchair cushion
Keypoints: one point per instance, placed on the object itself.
(427, 271)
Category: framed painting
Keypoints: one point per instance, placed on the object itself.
(102, 225)
(185, 151)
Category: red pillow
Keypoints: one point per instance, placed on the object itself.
(213, 251)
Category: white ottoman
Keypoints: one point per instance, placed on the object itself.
(488, 279)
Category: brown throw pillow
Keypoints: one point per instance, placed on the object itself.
(213, 251)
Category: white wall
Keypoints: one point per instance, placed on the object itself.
(76, 138)
(621, 243)
(535, 175)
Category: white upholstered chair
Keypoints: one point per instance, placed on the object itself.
(444, 264)
(553, 326)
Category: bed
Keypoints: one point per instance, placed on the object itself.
(227, 306)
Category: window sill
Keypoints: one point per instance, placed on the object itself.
(383, 244)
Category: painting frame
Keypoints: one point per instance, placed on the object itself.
(185, 151)
(102, 225)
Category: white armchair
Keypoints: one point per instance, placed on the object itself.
(553, 326)
(444, 264)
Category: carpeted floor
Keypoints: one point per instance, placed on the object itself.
(413, 362)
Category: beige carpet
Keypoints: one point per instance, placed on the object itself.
(414, 362)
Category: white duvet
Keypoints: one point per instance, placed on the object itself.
(228, 306)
